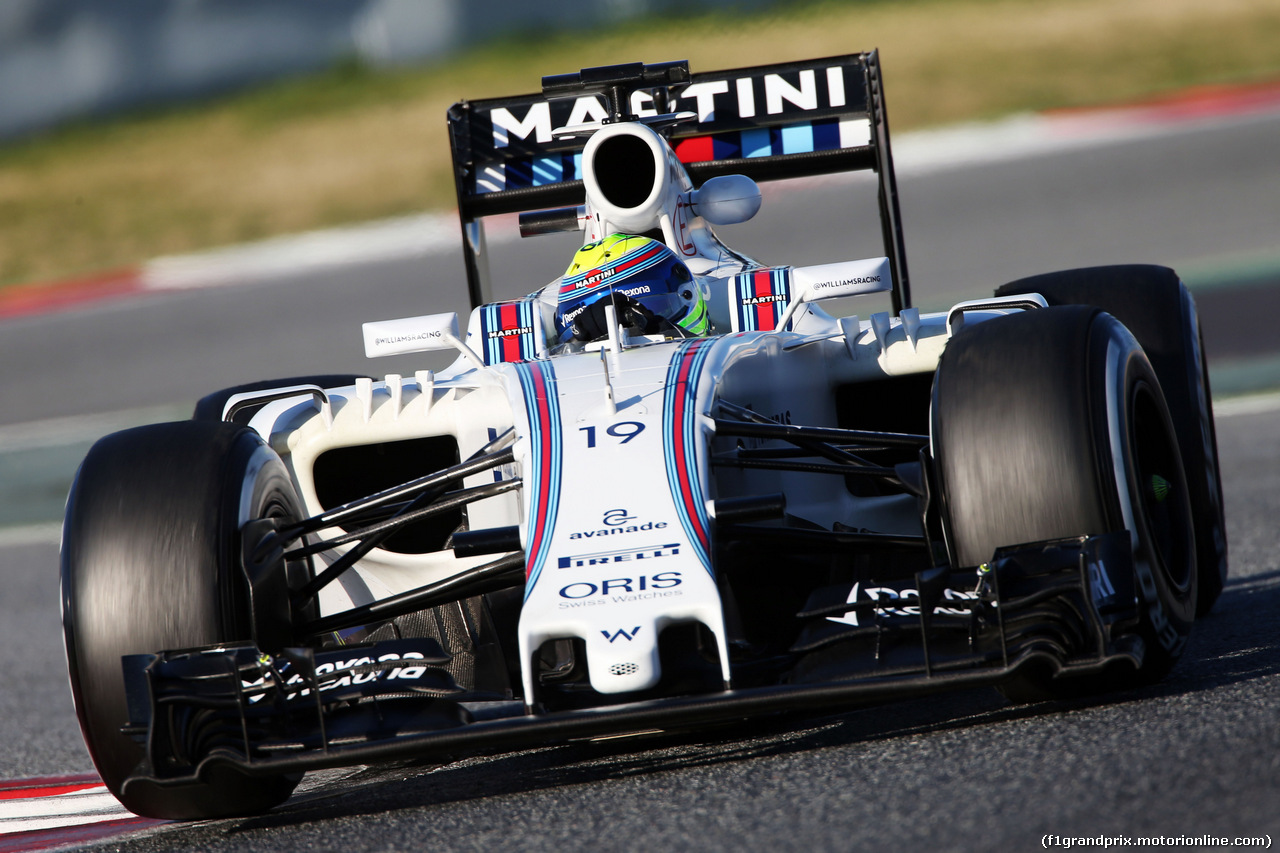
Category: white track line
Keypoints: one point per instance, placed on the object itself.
(1251, 404)
(77, 808)
(76, 429)
(289, 256)
(31, 534)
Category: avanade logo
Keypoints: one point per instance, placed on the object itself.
(616, 521)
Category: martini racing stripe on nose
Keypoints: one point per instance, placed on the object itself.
(680, 443)
(537, 381)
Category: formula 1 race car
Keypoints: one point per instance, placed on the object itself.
(665, 490)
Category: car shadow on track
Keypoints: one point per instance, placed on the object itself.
(1236, 642)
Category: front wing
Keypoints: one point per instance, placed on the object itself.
(1064, 605)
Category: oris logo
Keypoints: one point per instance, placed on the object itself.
(623, 586)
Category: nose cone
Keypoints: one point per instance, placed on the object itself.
(624, 659)
(616, 534)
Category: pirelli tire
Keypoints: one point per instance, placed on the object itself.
(1156, 306)
(150, 561)
(1051, 424)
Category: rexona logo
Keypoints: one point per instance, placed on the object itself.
(605, 558)
(626, 589)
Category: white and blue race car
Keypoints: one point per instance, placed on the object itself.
(664, 490)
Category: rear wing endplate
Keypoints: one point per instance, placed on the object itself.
(767, 122)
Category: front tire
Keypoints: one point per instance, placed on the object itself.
(210, 406)
(1051, 424)
(1157, 307)
(150, 561)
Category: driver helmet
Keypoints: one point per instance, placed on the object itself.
(640, 268)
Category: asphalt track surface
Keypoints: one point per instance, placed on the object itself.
(1197, 755)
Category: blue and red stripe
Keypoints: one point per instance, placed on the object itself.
(762, 296)
(802, 137)
(542, 484)
(680, 437)
(508, 332)
(509, 318)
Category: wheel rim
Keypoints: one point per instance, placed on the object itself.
(1162, 492)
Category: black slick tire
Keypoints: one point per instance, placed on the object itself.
(1157, 307)
(150, 561)
(1051, 424)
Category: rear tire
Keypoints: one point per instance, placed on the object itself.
(1157, 307)
(1051, 424)
(151, 561)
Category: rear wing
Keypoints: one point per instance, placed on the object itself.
(767, 122)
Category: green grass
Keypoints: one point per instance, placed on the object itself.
(354, 144)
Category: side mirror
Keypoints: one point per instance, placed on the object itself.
(828, 281)
(845, 278)
(416, 334)
(726, 200)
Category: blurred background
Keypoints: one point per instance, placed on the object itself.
(132, 129)
(69, 59)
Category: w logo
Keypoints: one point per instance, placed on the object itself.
(622, 632)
